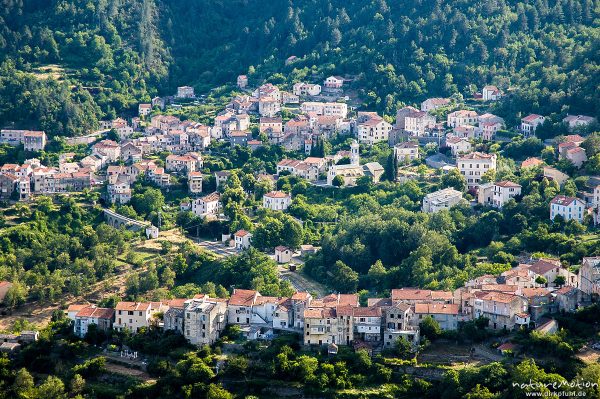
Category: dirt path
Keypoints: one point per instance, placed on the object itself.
(302, 282)
(129, 372)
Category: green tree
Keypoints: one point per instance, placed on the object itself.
(338, 181)
(430, 328)
(454, 179)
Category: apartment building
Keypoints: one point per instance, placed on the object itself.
(102, 318)
(367, 322)
(276, 200)
(325, 108)
(459, 145)
(570, 208)
(406, 152)
(446, 314)
(503, 310)
(131, 316)
(461, 118)
(474, 165)
(195, 182)
(371, 128)
(204, 320)
(441, 199)
(418, 123)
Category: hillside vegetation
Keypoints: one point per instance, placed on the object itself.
(119, 52)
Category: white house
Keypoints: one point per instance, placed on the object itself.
(371, 128)
(474, 165)
(334, 82)
(144, 109)
(574, 121)
(185, 92)
(283, 254)
(102, 318)
(432, 104)
(530, 123)
(406, 152)
(306, 89)
(503, 191)
(132, 316)
(209, 205)
(570, 208)
(325, 108)
(458, 145)
(491, 93)
(242, 239)
(277, 200)
(441, 199)
(462, 117)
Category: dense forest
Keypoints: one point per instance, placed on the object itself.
(110, 54)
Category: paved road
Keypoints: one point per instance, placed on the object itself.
(217, 247)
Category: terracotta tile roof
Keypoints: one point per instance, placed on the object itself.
(532, 292)
(133, 306)
(379, 302)
(76, 307)
(369, 311)
(241, 233)
(531, 118)
(319, 313)
(436, 308)
(506, 183)
(94, 312)
(211, 197)
(300, 296)
(243, 297)
(419, 294)
(277, 194)
(543, 266)
(566, 290)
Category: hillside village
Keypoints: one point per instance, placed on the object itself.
(169, 153)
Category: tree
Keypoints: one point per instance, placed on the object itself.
(218, 392)
(559, 281)
(541, 280)
(344, 278)
(23, 385)
(338, 181)
(77, 384)
(52, 388)
(455, 180)
(403, 348)
(167, 277)
(391, 167)
(151, 200)
(430, 328)
(16, 295)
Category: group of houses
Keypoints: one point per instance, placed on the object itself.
(521, 297)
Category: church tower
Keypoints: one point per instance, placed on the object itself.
(354, 153)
